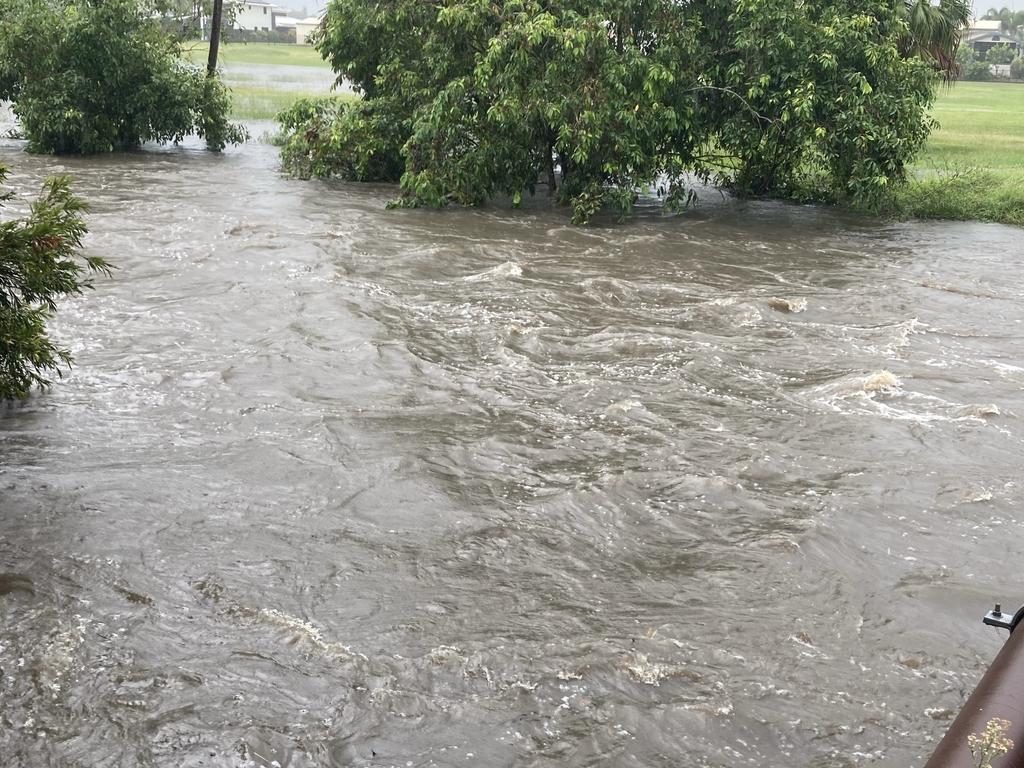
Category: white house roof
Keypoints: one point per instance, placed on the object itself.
(988, 25)
(286, 21)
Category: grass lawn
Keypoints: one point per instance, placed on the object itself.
(257, 53)
(973, 164)
(256, 102)
(260, 92)
(980, 124)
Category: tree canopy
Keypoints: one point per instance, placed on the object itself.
(40, 262)
(1012, 21)
(89, 76)
(601, 100)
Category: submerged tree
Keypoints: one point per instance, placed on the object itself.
(40, 262)
(89, 76)
(600, 100)
(834, 108)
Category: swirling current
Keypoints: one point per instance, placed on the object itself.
(332, 485)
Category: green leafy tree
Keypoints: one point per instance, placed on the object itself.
(1011, 21)
(87, 76)
(965, 55)
(1017, 68)
(40, 262)
(601, 100)
(970, 67)
(608, 91)
(978, 71)
(1000, 54)
(838, 108)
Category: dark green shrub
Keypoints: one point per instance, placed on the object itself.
(977, 71)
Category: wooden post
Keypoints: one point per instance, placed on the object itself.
(215, 22)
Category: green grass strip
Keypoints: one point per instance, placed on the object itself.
(257, 53)
(973, 165)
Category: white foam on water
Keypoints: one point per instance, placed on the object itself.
(58, 655)
(505, 269)
(1004, 369)
(306, 631)
(882, 393)
(623, 406)
(641, 669)
(862, 389)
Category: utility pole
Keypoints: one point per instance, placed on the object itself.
(218, 12)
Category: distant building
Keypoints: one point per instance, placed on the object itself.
(285, 22)
(253, 16)
(306, 27)
(986, 33)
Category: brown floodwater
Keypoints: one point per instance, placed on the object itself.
(332, 485)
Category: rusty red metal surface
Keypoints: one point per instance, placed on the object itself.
(1000, 694)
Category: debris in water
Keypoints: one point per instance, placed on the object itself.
(880, 381)
(651, 673)
(978, 411)
(788, 305)
(445, 653)
(133, 597)
(912, 662)
(12, 583)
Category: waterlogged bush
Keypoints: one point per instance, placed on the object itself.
(87, 77)
(337, 136)
(40, 262)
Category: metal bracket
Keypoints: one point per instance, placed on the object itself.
(996, 618)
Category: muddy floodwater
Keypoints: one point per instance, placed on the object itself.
(338, 486)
